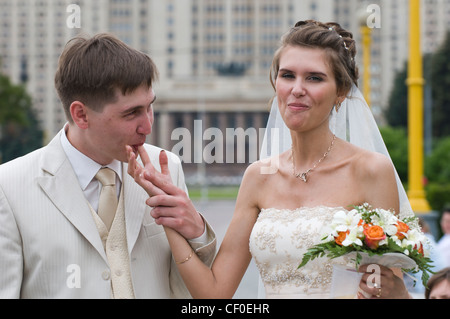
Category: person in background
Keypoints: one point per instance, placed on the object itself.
(439, 285)
(443, 245)
(416, 287)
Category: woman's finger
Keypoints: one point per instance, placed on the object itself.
(163, 182)
(144, 157)
(164, 163)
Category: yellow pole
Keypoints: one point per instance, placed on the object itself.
(366, 42)
(415, 84)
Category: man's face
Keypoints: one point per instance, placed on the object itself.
(127, 121)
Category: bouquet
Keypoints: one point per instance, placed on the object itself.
(375, 232)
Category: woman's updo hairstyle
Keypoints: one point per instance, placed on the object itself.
(337, 42)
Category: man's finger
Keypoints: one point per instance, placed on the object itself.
(167, 222)
(161, 200)
(161, 211)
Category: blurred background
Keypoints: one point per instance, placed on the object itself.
(214, 58)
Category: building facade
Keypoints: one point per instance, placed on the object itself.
(213, 56)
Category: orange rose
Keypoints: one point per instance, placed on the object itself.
(341, 237)
(373, 236)
(401, 228)
(420, 249)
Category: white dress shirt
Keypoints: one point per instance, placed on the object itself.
(85, 168)
(443, 247)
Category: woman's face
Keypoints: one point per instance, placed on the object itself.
(305, 87)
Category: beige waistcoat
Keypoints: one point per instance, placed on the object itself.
(116, 248)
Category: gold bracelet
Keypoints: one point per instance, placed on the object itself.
(186, 259)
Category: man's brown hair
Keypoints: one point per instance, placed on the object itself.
(90, 70)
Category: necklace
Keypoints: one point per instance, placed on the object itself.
(304, 176)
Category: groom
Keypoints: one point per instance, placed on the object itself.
(60, 237)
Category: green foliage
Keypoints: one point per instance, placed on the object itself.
(396, 142)
(440, 82)
(14, 102)
(437, 167)
(396, 112)
(19, 128)
(436, 72)
(438, 195)
(214, 192)
(328, 249)
(437, 170)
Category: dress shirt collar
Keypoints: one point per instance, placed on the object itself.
(85, 168)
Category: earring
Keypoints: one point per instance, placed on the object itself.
(337, 106)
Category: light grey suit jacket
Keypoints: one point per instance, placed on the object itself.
(50, 246)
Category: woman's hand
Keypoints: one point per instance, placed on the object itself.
(171, 206)
(138, 172)
(381, 283)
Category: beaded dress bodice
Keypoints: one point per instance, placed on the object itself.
(278, 241)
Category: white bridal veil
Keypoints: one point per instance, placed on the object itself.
(353, 123)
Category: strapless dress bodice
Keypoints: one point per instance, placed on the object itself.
(278, 241)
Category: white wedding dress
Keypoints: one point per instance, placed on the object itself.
(278, 241)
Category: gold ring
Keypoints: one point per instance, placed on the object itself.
(378, 295)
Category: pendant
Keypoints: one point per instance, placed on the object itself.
(303, 176)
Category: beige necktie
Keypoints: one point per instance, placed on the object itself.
(107, 203)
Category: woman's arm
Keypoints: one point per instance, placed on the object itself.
(222, 280)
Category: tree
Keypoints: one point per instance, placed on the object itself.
(19, 128)
(438, 173)
(437, 166)
(13, 102)
(396, 113)
(440, 81)
(397, 144)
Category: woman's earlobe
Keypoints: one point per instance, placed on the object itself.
(338, 103)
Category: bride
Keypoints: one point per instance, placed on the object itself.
(286, 200)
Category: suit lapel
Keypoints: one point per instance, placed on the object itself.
(135, 207)
(61, 185)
